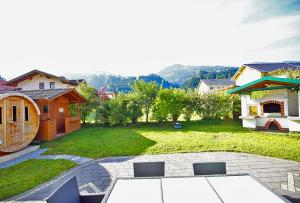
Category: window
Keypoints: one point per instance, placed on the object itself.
(41, 85)
(45, 109)
(61, 110)
(14, 112)
(0, 115)
(211, 88)
(52, 85)
(26, 113)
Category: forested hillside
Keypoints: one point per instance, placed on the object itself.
(181, 75)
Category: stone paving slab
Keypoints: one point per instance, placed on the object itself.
(23, 158)
(97, 175)
(37, 154)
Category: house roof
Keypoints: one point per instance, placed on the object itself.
(218, 81)
(51, 94)
(266, 83)
(78, 81)
(33, 73)
(269, 67)
(5, 88)
(2, 82)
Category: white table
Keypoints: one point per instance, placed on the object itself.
(209, 189)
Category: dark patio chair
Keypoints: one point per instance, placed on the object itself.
(149, 169)
(209, 168)
(69, 193)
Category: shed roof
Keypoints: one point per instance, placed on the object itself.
(267, 83)
(218, 81)
(51, 94)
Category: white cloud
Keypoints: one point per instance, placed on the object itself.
(133, 37)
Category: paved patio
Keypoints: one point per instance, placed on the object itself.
(281, 176)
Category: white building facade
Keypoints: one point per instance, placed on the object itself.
(211, 85)
(38, 80)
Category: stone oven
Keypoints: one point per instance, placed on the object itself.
(274, 108)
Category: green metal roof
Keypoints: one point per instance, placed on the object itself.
(289, 83)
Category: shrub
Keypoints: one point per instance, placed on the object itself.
(215, 106)
(118, 114)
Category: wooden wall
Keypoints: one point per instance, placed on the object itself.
(56, 123)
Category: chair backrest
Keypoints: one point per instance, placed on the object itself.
(209, 168)
(66, 193)
(149, 169)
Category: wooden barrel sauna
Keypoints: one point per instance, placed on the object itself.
(19, 121)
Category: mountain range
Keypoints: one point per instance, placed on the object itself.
(181, 74)
(172, 76)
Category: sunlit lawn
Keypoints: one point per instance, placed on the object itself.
(197, 136)
(24, 176)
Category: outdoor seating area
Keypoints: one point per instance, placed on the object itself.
(210, 183)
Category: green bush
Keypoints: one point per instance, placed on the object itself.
(218, 105)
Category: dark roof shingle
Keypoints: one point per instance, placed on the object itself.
(44, 94)
(269, 67)
(218, 81)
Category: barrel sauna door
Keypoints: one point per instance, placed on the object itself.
(15, 121)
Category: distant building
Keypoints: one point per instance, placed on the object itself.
(104, 94)
(38, 80)
(211, 85)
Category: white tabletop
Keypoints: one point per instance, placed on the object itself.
(190, 190)
(228, 189)
(136, 191)
(236, 189)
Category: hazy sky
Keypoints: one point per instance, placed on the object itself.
(136, 37)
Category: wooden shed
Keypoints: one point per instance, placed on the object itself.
(19, 121)
(59, 111)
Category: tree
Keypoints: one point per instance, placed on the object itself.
(159, 111)
(118, 114)
(103, 112)
(170, 102)
(134, 107)
(147, 92)
(90, 94)
(190, 102)
(175, 103)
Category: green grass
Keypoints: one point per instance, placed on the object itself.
(96, 142)
(24, 176)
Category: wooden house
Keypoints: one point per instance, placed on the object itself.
(59, 111)
(19, 121)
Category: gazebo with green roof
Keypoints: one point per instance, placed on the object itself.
(267, 83)
(276, 109)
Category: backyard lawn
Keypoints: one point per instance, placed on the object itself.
(198, 136)
(24, 176)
